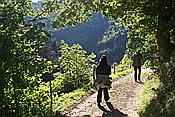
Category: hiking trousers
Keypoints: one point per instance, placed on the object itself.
(99, 95)
(137, 75)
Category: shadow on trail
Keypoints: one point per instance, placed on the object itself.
(112, 113)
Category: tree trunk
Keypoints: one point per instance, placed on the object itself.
(163, 31)
(163, 39)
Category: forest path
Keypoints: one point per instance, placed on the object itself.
(124, 98)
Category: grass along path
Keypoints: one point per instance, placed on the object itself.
(124, 98)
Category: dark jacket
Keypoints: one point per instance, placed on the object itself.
(102, 77)
(103, 70)
(137, 60)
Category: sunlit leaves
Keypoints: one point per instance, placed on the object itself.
(69, 12)
(75, 65)
(20, 63)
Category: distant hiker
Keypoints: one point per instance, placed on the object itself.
(137, 59)
(102, 81)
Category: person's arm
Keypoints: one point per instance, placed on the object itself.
(110, 72)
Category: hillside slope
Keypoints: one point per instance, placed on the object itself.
(97, 35)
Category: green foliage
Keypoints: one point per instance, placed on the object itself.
(156, 100)
(69, 12)
(23, 38)
(147, 95)
(121, 73)
(75, 66)
(60, 103)
(147, 45)
(71, 81)
(122, 69)
(20, 63)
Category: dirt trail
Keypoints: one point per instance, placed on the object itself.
(124, 98)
